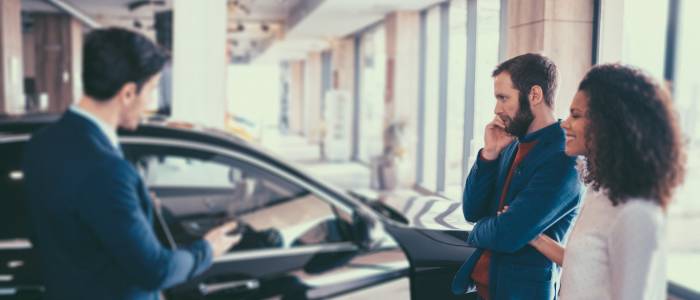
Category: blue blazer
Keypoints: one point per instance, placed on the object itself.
(92, 219)
(543, 197)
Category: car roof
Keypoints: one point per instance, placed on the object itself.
(157, 127)
(160, 127)
(28, 124)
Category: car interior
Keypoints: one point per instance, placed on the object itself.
(258, 201)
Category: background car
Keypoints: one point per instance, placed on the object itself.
(302, 239)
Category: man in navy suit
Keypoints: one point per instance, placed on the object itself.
(522, 185)
(90, 210)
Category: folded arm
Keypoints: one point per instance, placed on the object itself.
(550, 195)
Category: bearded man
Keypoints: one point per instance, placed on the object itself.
(523, 168)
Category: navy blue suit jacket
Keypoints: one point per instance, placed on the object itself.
(92, 219)
(543, 197)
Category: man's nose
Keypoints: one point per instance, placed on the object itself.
(497, 109)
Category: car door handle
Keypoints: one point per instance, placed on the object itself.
(210, 288)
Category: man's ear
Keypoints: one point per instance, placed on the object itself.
(536, 95)
(127, 94)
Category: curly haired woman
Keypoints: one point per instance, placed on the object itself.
(624, 126)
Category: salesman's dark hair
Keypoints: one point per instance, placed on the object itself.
(113, 57)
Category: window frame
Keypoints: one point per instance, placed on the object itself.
(243, 255)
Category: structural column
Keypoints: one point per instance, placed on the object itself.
(11, 78)
(199, 61)
(341, 110)
(344, 65)
(58, 40)
(296, 97)
(312, 93)
(402, 82)
(559, 29)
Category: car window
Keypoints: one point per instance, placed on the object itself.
(199, 190)
(184, 171)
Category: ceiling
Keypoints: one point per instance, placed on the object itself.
(252, 23)
(264, 10)
(281, 29)
(332, 19)
(103, 9)
(107, 12)
(255, 24)
(335, 18)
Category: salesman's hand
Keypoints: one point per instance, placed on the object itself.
(495, 139)
(219, 239)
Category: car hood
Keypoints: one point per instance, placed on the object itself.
(415, 210)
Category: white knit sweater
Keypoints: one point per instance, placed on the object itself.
(616, 252)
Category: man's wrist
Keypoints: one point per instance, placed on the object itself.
(535, 242)
(489, 154)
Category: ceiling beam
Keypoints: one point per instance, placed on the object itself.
(301, 11)
(73, 11)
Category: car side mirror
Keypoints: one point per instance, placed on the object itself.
(368, 230)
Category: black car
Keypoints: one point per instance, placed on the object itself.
(302, 239)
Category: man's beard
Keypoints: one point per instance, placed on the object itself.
(519, 125)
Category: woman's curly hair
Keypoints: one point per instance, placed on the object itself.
(633, 136)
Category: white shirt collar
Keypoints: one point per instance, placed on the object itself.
(107, 130)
